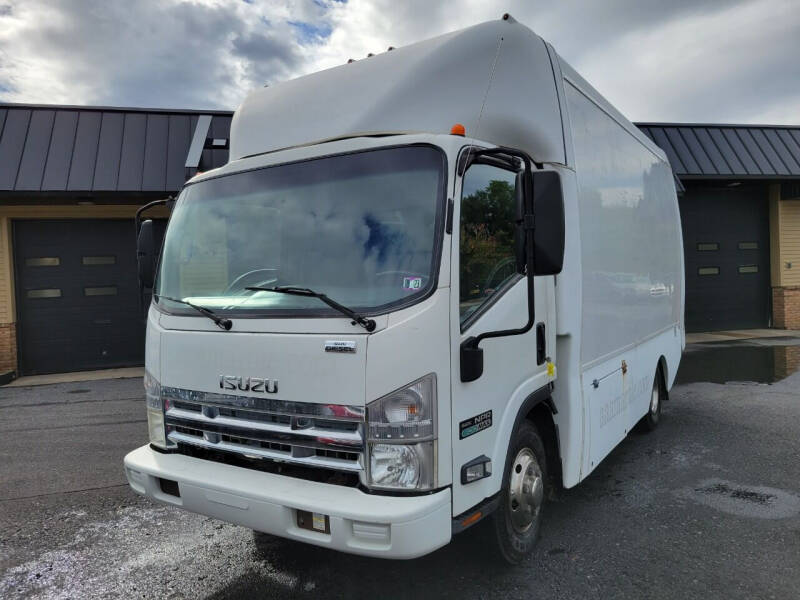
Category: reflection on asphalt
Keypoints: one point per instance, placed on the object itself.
(758, 361)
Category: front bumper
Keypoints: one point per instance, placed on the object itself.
(381, 526)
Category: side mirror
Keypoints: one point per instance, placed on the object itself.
(548, 211)
(471, 360)
(519, 230)
(146, 254)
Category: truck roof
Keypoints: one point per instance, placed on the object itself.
(495, 78)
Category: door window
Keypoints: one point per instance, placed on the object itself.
(487, 260)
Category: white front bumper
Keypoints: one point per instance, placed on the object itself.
(382, 526)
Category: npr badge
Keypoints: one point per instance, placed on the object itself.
(474, 424)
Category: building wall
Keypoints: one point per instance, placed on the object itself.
(785, 259)
(787, 361)
(9, 213)
(8, 330)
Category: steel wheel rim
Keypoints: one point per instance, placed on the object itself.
(654, 399)
(526, 490)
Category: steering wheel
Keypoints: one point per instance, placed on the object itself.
(232, 284)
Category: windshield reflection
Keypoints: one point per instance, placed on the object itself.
(362, 228)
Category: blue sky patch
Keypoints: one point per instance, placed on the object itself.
(310, 33)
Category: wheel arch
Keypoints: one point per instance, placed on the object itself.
(539, 409)
(541, 415)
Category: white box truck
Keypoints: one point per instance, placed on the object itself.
(428, 286)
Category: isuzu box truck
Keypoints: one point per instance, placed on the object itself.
(428, 286)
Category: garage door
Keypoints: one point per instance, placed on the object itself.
(726, 243)
(77, 295)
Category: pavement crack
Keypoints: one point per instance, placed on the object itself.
(89, 489)
(101, 424)
(70, 403)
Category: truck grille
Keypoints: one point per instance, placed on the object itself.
(327, 436)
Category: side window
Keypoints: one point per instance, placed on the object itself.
(487, 259)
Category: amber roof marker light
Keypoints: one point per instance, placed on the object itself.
(458, 129)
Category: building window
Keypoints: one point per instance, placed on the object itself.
(45, 293)
(43, 261)
(106, 290)
(707, 247)
(708, 271)
(748, 245)
(748, 269)
(99, 260)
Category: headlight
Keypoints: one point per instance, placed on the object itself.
(155, 412)
(401, 432)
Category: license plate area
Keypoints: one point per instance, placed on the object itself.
(313, 521)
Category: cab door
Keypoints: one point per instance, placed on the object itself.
(489, 294)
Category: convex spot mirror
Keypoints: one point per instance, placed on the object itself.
(548, 214)
(145, 254)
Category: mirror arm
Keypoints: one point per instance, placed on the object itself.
(472, 342)
(500, 156)
(168, 202)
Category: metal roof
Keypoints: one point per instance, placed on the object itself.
(45, 148)
(728, 151)
(80, 149)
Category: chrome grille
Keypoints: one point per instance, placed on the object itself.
(326, 436)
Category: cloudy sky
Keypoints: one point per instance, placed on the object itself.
(656, 60)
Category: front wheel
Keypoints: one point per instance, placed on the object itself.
(518, 517)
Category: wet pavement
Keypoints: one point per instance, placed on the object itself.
(764, 360)
(707, 506)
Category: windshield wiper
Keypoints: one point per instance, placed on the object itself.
(221, 322)
(368, 324)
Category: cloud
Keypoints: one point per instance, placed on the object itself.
(683, 60)
(143, 53)
(731, 64)
(264, 57)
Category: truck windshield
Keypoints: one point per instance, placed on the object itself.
(362, 228)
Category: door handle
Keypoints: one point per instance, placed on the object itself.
(541, 344)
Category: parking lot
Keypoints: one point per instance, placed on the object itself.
(707, 506)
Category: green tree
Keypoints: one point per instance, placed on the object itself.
(487, 235)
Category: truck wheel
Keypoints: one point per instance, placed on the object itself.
(519, 515)
(650, 421)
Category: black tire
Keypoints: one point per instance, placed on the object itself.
(513, 540)
(650, 421)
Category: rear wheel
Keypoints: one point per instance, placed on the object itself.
(517, 520)
(650, 421)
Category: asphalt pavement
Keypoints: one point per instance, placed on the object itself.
(707, 506)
